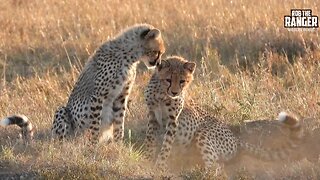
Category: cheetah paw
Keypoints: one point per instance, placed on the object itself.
(160, 165)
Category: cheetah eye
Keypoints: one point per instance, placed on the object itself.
(182, 81)
(168, 80)
(153, 53)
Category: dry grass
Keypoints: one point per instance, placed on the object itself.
(249, 67)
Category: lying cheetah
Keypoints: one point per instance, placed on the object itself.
(186, 122)
(99, 97)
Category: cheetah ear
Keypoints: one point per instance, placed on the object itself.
(153, 34)
(190, 66)
(163, 64)
(144, 33)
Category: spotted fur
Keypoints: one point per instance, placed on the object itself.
(165, 99)
(99, 98)
(185, 122)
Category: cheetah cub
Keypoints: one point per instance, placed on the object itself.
(186, 122)
(99, 97)
(164, 96)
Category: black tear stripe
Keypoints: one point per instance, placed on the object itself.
(158, 56)
(170, 84)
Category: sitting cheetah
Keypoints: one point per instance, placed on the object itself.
(186, 122)
(99, 97)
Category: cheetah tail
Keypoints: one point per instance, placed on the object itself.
(296, 131)
(268, 154)
(23, 122)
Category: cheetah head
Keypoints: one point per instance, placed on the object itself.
(175, 74)
(153, 47)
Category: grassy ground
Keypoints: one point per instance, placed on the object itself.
(248, 67)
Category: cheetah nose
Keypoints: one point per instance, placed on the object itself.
(174, 93)
(153, 63)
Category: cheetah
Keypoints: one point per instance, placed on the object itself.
(99, 98)
(187, 123)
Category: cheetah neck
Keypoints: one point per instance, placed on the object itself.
(128, 51)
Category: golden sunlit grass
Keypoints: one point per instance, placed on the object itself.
(248, 67)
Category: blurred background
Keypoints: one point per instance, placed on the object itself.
(37, 36)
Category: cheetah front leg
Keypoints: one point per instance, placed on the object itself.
(95, 118)
(207, 145)
(150, 141)
(173, 110)
(62, 126)
(101, 98)
(104, 94)
(119, 112)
